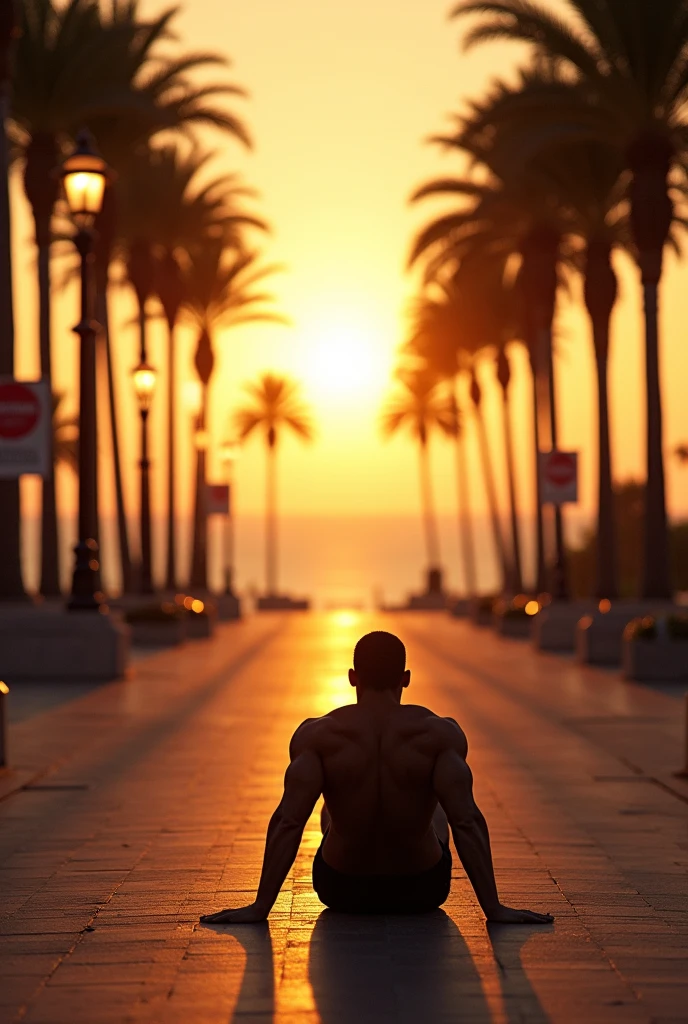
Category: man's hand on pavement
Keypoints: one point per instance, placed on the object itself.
(507, 915)
(252, 914)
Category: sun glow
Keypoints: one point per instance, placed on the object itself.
(346, 360)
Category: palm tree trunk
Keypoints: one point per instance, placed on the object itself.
(465, 528)
(50, 569)
(560, 588)
(606, 586)
(650, 157)
(271, 519)
(122, 524)
(490, 484)
(656, 582)
(11, 582)
(199, 557)
(504, 375)
(171, 573)
(601, 291)
(540, 561)
(432, 542)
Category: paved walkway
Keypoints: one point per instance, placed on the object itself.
(145, 804)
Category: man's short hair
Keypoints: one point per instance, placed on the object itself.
(379, 660)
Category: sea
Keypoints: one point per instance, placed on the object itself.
(334, 561)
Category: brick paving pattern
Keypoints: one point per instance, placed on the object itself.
(145, 804)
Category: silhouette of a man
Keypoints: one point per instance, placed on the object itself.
(395, 779)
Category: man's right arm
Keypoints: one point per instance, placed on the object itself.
(453, 785)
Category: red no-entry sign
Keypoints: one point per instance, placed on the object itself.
(25, 425)
(558, 477)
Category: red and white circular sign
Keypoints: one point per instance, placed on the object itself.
(20, 411)
(560, 469)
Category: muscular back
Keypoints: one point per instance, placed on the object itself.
(378, 784)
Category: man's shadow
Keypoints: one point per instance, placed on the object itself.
(402, 969)
(373, 970)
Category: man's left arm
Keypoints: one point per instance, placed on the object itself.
(303, 784)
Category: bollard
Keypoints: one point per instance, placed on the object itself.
(683, 772)
(4, 690)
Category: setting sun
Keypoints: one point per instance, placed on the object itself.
(346, 359)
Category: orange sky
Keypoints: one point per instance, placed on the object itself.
(342, 96)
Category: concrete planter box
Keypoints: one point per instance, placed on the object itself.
(461, 608)
(201, 626)
(554, 627)
(661, 660)
(519, 627)
(228, 607)
(599, 637)
(480, 614)
(51, 644)
(158, 634)
(282, 603)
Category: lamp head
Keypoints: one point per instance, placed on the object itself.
(84, 176)
(145, 377)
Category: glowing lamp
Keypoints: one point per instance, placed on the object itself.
(145, 377)
(202, 439)
(84, 176)
(532, 608)
(229, 453)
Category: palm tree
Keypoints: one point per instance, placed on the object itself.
(65, 436)
(420, 408)
(631, 61)
(165, 215)
(220, 289)
(275, 408)
(471, 316)
(103, 71)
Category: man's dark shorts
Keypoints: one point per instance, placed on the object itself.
(383, 894)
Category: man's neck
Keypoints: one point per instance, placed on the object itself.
(378, 702)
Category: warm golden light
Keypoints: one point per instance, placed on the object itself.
(345, 618)
(605, 605)
(197, 606)
(346, 360)
(202, 440)
(144, 377)
(4, 688)
(532, 608)
(188, 601)
(192, 396)
(229, 453)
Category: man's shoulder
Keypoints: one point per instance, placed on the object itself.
(314, 731)
(446, 733)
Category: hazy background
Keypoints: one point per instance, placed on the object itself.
(342, 97)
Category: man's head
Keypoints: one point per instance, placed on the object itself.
(379, 663)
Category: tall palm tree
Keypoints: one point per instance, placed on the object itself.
(631, 60)
(221, 288)
(165, 214)
(420, 408)
(100, 69)
(275, 408)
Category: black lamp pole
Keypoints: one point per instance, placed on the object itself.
(146, 567)
(85, 595)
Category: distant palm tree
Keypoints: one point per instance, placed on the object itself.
(221, 288)
(275, 408)
(630, 63)
(165, 216)
(420, 408)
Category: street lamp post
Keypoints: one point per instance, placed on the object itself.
(144, 377)
(229, 453)
(84, 175)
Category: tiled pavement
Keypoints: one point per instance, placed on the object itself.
(150, 798)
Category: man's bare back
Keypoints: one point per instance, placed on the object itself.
(378, 759)
(392, 777)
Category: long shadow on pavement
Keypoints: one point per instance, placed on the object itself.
(397, 969)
